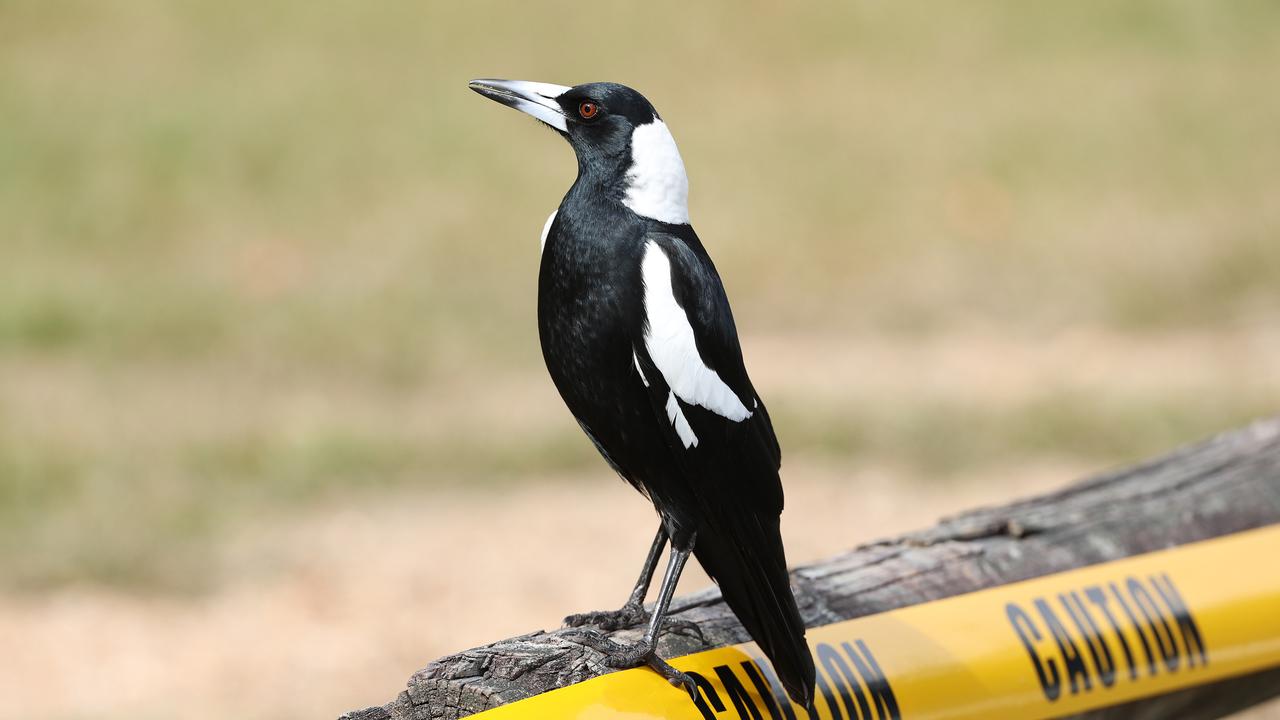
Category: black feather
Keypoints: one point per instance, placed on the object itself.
(744, 556)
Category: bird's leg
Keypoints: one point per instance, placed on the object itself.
(650, 642)
(645, 651)
(632, 612)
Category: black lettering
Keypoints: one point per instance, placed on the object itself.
(1150, 611)
(771, 703)
(1097, 597)
(1137, 628)
(1191, 638)
(873, 678)
(779, 692)
(708, 693)
(1077, 673)
(832, 704)
(842, 677)
(738, 694)
(1103, 664)
(1050, 683)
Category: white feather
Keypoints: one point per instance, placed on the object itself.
(542, 242)
(676, 416)
(671, 345)
(636, 360)
(657, 186)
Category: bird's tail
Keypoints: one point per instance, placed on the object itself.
(748, 563)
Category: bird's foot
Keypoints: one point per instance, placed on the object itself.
(629, 615)
(621, 656)
(685, 628)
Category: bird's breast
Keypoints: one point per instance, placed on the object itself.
(589, 310)
(582, 320)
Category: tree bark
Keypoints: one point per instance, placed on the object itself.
(1227, 484)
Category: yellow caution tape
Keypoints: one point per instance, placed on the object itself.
(1055, 645)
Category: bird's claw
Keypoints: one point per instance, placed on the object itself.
(629, 615)
(616, 655)
(682, 680)
(684, 628)
(594, 639)
(620, 657)
(673, 676)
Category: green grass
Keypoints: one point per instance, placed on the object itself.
(247, 250)
(938, 440)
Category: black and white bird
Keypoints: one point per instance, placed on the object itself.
(639, 339)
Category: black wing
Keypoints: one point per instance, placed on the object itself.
(688, 356)
(722, 424)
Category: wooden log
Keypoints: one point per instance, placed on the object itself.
(1224, 485)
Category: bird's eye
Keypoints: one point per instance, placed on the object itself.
(588, 110)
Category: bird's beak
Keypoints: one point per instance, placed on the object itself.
(534, 98)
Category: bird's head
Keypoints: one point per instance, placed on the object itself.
(621, 142)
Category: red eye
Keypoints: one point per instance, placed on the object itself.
(588, 110)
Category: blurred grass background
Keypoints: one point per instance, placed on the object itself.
(260, 260)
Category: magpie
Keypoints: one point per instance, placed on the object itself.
(638, 337)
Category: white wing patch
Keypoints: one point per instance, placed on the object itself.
(676, 416)
(657, 186)
(542, 242)
(671, 345)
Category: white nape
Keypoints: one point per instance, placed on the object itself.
(676, 416)
(657, 186)
(542, 242)
(671, 345)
